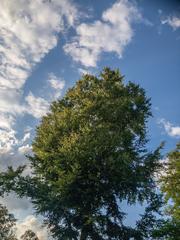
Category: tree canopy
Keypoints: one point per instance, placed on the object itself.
(89, 156)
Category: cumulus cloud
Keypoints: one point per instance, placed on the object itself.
(110, 34)
(171, 130)
(29, 29)
(22, 209)
(13, 202)
(25, 149)
(14, 148)
(7, 140)
(12, 152)
(57, 84)
(172, 21)
(9, 143)
(36, 106)
(6, 121)
(31, 222)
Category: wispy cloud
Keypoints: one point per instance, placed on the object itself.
(172, 21)
(26, 137)
(36, 106)
(110, 34)
(170, 129)
(57, 84)
(25, 149)
(7, 140)
(27, 34)
(33, 223)
(39, 106)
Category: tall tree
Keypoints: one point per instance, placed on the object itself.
(89, 156)
(7, 224)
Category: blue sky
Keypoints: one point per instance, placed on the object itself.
(45, 46)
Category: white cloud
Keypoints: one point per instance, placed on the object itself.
(22, 209)
(9, 102)
(25, 149)
(57, 84)
(161, 172)
(13, 202)
(110, 34)
(83, 71)
(171, 130)
(29, 29)
(173, 21)
(6, 121)
(7, 140)
(26, 137)
(12, 150)
(33, 223)
(36, 106)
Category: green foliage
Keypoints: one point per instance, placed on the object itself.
(89, 157)
(169, 230)
(29, 235)
(170, 181)
(7, 224)
(9, 178)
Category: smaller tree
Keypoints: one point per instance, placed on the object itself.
(7, 224)
(171, 188)
(29, 235)
(171, 182)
